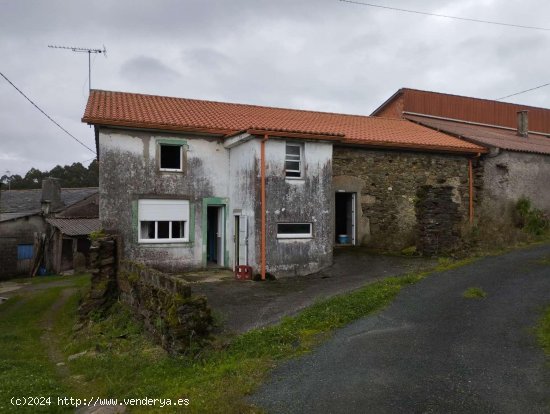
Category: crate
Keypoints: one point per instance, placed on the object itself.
(243, 272)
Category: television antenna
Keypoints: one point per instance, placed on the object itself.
(84, 50)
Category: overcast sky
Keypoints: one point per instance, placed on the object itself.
(309, 54)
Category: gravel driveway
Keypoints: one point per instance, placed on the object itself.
(433, 350)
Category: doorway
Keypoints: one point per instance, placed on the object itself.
(215, 235)
(344, 223)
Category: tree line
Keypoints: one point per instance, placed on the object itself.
(70, 176)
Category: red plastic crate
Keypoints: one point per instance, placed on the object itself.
(243, 272)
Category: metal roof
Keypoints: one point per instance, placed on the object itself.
(75, 226)
(504, 138)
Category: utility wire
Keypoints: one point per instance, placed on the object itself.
(46, 115)
(519, 93)
(444, 15)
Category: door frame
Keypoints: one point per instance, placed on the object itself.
(214, 202)
(353, 213)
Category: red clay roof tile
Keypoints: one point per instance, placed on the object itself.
(159, 112)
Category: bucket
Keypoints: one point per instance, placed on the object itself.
(343, 239)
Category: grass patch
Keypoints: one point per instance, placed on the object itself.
(24, 366)
(120, 362)
(217, 379)
(543, 331)
(474, 293)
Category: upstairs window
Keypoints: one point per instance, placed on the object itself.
(171, 157)
(293, 161)
(163, 221)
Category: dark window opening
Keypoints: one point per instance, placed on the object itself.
(290, 230)
(178, 228)
(163, 229)
(170, 157)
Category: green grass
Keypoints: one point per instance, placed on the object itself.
(217, 379)
(474, 293)
(122, 363)
(543, 331)
(25, 369)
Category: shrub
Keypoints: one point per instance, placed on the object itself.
(531, 219)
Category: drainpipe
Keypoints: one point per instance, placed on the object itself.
(262, 207)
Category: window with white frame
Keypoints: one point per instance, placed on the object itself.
(163, 221)
(294, 231)
(293, 160)
(170, 157)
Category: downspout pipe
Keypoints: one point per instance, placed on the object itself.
(262, 207)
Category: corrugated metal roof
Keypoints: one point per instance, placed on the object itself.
(75, 226)
(158, 112)
(487, 135)
(483, 111)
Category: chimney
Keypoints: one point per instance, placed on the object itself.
(51, 195)
(523, 123)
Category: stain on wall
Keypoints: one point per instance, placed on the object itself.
(129, 171)
(305, 200)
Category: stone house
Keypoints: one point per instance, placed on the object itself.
(190, 183)
(517, 136)
(27, 229)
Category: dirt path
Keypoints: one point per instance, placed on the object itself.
(51, 343)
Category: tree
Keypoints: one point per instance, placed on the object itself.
(71, 176)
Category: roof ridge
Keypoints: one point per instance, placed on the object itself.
(243, 104)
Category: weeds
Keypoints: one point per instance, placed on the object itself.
(474, 293)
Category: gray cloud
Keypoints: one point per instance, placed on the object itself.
(311, 54)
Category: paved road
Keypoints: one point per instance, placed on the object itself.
(432, 350)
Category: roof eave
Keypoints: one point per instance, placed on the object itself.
(417, 147)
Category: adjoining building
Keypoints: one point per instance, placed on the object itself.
(517, 136)
(28, 235)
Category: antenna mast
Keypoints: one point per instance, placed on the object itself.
(84, 50)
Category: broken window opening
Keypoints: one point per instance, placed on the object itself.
(171, 157)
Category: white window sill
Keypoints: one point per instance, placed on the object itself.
(293, 236)
(162, 241)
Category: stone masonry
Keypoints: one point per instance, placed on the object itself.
(176, 319)
(388, 183)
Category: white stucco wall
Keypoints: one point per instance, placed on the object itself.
(129, 171)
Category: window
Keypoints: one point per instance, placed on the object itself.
(171, 157)
(163, 221)
(294, 231)
(293, 160)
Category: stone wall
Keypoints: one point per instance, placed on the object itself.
(172, 315)
(387, 184)
(438, 221)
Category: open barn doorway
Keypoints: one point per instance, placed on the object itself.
(344, 223)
